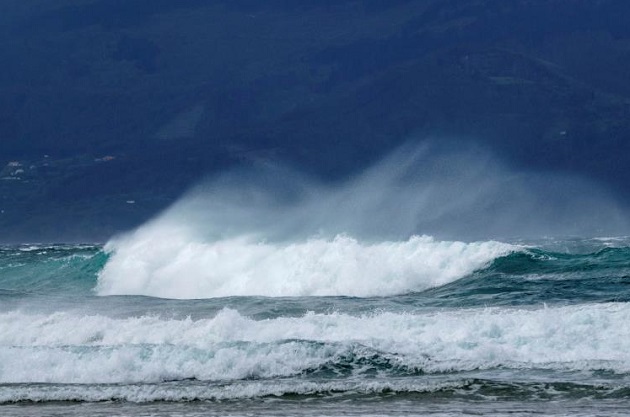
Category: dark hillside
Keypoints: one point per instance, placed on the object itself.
(109, 109)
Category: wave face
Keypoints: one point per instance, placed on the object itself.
(45, 269)
(170, 265)
(230, 346)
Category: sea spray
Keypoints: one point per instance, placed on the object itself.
(271, 231)
(175, 266)
(458, 320)
(446, 190)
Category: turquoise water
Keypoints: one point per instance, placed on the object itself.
(417, 327)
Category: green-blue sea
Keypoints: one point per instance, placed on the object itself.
(320, 327)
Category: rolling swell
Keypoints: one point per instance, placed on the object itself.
(31, 269)
(541, 262)
(535, 275)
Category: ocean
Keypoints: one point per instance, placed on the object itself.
(322, 326)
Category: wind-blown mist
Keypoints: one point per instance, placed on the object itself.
(271, 231)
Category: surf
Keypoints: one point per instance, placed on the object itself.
(229, 346)
(172, 266)
(411, 222)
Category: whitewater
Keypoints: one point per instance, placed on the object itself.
(507, 327)
(436, 283)
(175, 267)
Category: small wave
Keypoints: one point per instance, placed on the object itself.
(141, 393)
(336, 391)
(45, 248)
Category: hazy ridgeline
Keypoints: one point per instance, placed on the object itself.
(103, 102)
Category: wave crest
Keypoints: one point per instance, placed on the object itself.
(171, 265)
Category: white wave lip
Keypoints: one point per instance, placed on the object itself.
(168, 264)
(229, 346)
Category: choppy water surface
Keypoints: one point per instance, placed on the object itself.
(319, 327)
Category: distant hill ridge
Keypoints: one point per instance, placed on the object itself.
(173, 90)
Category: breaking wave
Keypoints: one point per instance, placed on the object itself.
(171, 265)
(230, 347)
(270, 231)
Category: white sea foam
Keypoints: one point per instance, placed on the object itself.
(192, 392)
(229, 346)
(271, 231)
(168, 263)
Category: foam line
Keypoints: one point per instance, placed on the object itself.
(229, 346)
